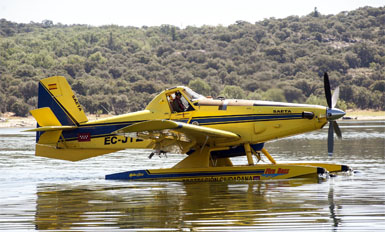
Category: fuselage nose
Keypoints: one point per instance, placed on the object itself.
(334, 114)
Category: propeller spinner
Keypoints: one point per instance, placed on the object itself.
(332, 114)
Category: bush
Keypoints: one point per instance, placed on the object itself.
(144, 86)
(200, 86)
(293, 94)
(20, 108)
(233, 92)
(277, 95)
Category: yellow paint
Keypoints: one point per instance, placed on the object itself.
(267, 171)
(258, 128)
(45, 117)
(50, 137)
(264, 151)
(328, 167)
(134, 116)
(248, 154)
(63, 93)
(69, 154)
(197, 159)
(112, 142)
(51, 128)
(222, 162)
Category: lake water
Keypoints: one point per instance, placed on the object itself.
(42, 194)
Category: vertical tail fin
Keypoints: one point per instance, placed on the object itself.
(59, 111)
(56, 93)
(57, 106)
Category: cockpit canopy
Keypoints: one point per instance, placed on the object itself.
(192, 95)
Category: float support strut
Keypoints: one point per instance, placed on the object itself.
(264, 151)
(248, 153)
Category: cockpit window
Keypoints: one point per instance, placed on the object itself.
(193, 96)
(178, 102)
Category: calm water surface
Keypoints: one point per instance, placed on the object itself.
(42, 194)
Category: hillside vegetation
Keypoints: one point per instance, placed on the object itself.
(120, 69)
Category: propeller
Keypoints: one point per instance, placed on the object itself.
(332, 114)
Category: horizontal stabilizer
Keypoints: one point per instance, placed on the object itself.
(52, 128)
(47, 121)
(70, 154)
(45, 117)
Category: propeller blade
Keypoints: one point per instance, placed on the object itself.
(330, 140)
(335, 96)
(337, 129)
(332, 113)
(328, 93)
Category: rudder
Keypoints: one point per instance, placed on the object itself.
(56, 93)
(57, 106)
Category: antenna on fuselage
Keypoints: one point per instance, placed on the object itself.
(108, 112)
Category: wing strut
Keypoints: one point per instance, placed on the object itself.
(204, 144)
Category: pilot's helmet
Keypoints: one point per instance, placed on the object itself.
(178, 94)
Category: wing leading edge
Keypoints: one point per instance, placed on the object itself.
(199, 134)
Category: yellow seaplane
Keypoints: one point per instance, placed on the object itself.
(207, 131)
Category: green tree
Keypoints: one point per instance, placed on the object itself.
(3, 106)
(352, 60)
(120, 104)
(365, 53)
(233, 92)
(315, 12)
(293, 94)
(274, 94)
(19, 108)
(25, 70)
(29, 89)
(200, 86)
(378, 85)
(97, 57)
(316, 100)
(144, 86)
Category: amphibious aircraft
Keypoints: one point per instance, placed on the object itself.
(209, 132)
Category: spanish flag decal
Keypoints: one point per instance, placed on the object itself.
(52, 86)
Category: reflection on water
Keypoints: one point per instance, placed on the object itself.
(175, 205)
(43, 194)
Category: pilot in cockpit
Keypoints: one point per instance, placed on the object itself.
(177, 103)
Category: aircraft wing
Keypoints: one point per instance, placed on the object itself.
(198, 134)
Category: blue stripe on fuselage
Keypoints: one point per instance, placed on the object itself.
(94, 130)
(98, 130)
(245, 118)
